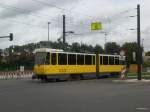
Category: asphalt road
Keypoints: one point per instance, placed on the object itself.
(75, 96)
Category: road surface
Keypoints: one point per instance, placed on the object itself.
(74, 96)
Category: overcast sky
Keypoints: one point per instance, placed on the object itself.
(27, 20)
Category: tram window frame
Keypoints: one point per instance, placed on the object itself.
(121, 62)
(88, 59)
(117, 62)
(101, 60)
(40, 58)
(71, 59)
(93, 59)
(105, 60)
(47, 58)
(111, 60)
(53, 58)
(62, 59)
(80, 59)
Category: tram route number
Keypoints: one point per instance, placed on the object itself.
(62, 70)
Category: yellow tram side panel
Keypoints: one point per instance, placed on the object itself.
(39, 69)
(110, 68)
(63, 69)
(68, 69)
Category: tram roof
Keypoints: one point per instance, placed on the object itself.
(47, 50)
(61, 51)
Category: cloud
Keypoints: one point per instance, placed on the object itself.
(30, 25)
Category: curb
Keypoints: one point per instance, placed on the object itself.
(132, 80)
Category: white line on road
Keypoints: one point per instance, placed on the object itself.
(142, 109)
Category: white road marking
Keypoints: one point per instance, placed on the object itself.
(142, 109)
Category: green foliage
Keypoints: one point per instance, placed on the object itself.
(146, 64)
(98, 49)
(16, 56)
(129, 48)
(75, 47)
(112, 48)
(147, 53)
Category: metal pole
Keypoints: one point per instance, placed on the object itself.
(48, 31)
(139, 53)
(64, 30)
(10, 36)
(97, 64)
(105, 42)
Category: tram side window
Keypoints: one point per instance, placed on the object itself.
(93, 60)
(80, 59)
(105, 60)
(101, 60)
(88, 60)
(62, 59)
(54, 57)
(122, 60)
(47, 58)
(116, 60)
(72, 59)
(111, 60)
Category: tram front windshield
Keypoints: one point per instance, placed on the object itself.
(40, 58)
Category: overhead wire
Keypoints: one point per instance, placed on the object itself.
(29, 11)
(41, 2)
(27, 24)
(22, 10)
(63, 9)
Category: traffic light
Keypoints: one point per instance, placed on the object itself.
(11, 36)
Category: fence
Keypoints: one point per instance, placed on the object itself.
(16, 75)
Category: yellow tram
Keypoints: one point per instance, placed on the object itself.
(53, 63)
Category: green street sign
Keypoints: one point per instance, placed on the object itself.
(96, 26)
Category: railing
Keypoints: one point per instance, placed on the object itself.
(16, 75)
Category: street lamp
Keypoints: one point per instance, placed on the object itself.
(105, 33)
(48, 30)
(67, 32)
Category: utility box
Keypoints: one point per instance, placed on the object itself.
(133, 68)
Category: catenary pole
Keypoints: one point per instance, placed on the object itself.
(139, 52)
(64, 30)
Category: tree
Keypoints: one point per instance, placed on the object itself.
(75, 47)
(147, 53)
(98, 49)
(85, 48)
(112, 48)
(1, 55)
(129, 48)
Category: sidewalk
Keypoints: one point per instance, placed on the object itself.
(132, 80)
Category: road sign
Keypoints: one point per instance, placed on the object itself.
(21, 68)
(96, 26)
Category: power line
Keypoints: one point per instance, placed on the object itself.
(63, 9)
(29, 11)
(21, 10)
(24, 23)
